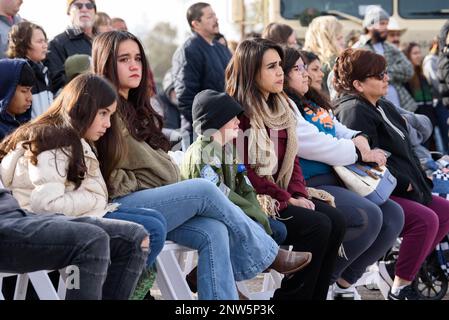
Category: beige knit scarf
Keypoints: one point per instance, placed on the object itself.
(261, 149)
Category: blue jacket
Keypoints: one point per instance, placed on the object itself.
(198, 66)
(10, 70)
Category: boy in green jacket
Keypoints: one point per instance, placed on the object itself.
(213, 157)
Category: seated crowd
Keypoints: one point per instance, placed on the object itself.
(88, 178)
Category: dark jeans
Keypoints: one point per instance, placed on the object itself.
(107, 252)
(320, 232)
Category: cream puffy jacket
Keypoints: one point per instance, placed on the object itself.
(44, 188)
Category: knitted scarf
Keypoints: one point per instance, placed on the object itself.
(262, 155)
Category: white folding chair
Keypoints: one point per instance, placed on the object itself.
(172, 267)
(41, 283)
(372, 278)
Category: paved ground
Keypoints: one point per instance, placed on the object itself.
(257, 283)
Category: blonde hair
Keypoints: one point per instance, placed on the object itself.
(321, 37)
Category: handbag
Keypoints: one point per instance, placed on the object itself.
(371, 182)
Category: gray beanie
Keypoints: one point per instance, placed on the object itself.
(373, 15)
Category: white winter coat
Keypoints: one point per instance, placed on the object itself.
(44, 188)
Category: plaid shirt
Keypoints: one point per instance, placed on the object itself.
(400, 70)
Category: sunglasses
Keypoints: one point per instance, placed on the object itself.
(378, 76)
(88, 6)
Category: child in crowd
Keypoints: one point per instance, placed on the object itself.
(16, 83)
(50, 166)
(213, 156)
(29, 41)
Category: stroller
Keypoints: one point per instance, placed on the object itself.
(431, 282)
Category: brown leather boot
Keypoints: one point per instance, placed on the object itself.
(288, 262)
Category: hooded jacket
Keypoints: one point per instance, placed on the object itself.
(387, 130)
(10, 75)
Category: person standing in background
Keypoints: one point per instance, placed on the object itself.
(200, 63)
(8, 18)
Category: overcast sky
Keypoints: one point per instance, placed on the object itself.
(140, 15)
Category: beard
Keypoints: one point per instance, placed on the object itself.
(378, 36)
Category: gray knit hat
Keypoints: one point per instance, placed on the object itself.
(373, 15)
(76, 64)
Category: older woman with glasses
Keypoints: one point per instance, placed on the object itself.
(324, 142)
(361, 81)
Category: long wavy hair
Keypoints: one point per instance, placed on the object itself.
(64, 124)
(141, 120)
(242, 73)
(321, 38)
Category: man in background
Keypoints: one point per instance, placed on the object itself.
(8, 18)
(200, 63)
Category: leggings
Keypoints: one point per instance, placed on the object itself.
(370, 229)
(425, 226)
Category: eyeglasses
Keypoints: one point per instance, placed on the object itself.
(378, 76)
(88, 6)
(301, 68)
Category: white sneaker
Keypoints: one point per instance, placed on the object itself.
(345, 294)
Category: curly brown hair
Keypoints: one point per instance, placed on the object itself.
(20, 39)
(356, 64)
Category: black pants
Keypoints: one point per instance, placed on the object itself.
(320, 232)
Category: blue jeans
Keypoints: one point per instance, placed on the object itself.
(108, 253)
(153, 222)
(279, 230)
(193, 209)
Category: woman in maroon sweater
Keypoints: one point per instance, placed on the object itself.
(268, 146)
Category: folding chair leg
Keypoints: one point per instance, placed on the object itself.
(2, 297)
(43, 286)
(170, 278)
(21, 287)
(61, 288)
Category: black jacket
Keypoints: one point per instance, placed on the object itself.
(359, 114)
(443, 65)
(64, 45)
(198, 66)
(42, 94)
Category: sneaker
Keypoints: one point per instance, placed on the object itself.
(406, 293)
(345, 294)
